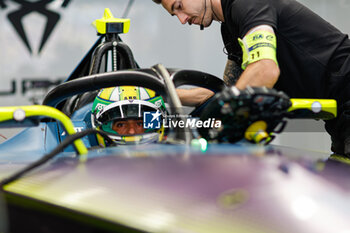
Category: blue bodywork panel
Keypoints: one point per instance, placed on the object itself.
(31, 143)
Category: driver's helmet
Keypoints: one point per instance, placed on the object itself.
(128, 104)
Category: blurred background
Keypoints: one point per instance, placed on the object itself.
(31, 65)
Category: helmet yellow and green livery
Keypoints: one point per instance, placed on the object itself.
(126, 103)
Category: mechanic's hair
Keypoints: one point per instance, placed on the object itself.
(157, 1)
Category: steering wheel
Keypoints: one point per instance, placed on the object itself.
(239, 110)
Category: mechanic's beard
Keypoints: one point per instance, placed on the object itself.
(206, 21)
(205, 24)
(209, 23)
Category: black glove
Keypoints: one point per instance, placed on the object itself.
(237, 110)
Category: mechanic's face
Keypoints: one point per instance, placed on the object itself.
(128, 127)
(189, 11)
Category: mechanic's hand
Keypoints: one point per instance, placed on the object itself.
(238, 109)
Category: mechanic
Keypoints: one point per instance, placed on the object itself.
(118, 111)
(279, 44)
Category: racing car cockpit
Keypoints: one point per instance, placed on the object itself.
(112, 102)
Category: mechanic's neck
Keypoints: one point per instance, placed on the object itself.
(217, 10)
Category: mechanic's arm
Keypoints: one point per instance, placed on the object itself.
(232, 72)
(259, 58)
(195, 96)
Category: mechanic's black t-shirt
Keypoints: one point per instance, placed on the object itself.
(313, 55)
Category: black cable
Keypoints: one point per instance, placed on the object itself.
(212, 8)
(66, 142)
(205, 11)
